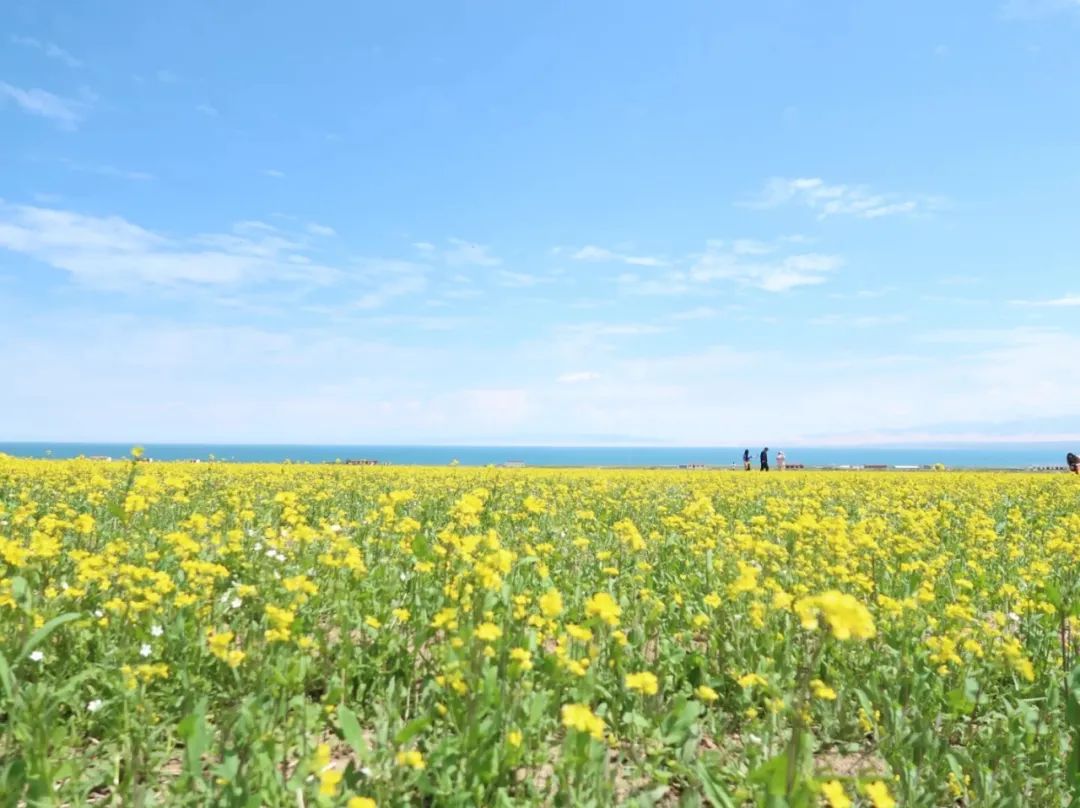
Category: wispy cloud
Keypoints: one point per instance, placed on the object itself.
(65, 112)
(317, 229)
(519, 280)
(858, 320)
(50, 49)
(615, 329)
(594, 254)
(467, 253)
(273, 173)
(110, 252)
(207, 109)
(697, 313)
(670, 284)
(106, 170)
(389, 290)
(458, 252)
(770, 271)
(1065, 301)
(578, 377)
(835, 200)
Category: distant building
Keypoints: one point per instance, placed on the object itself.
(363, 461)
(514, 464)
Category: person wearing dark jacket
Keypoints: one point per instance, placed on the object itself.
(746, 460)
(765, 459)
(1074, 462)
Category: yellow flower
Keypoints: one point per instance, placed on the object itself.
(551, 604)
(361, 802)
(488, 632)
(833, 791)
(373, 622)
(843, 613)
(602, 605)
(752, 680)
(579, 717)
(706, 693)
(643, 682)
(879, 795)
(522, 657)
(328, 782)
(411, 758)
(514, 738)
(822, 690)
(579, 632)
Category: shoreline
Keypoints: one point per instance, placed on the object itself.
(518, 466)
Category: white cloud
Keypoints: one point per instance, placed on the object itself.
(670, 284)
(112, 253)
(207, 109)
(614, 329)
(466, 253)
(65, 112)
(858, 320)
(50, 49)
(698, 313)
(236, 383)
(519, 280)
(779, 273)
(106, 170)
(594, 254)
(273, 172)
(578, 377)
(317, 229)
(834, 200)
(424, 246)
(390, 289)
(1065, 301)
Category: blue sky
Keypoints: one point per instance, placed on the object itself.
(564, 222)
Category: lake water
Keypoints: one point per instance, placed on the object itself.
(969, 456)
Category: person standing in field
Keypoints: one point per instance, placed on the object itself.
(1073, 462)
(765, 459)
(780, 460)
(746, 460)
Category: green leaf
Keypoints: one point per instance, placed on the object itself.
(1053, 595)
(42, 634)
(958, 702)
(714, 792)
(6, 679)
(1072, 704)
(351, 731)
(773, 775)
(19, 588)
(411, 730)
(196, 740)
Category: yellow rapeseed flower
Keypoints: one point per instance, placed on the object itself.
(644, 682)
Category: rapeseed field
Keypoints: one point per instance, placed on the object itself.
(272, 635)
